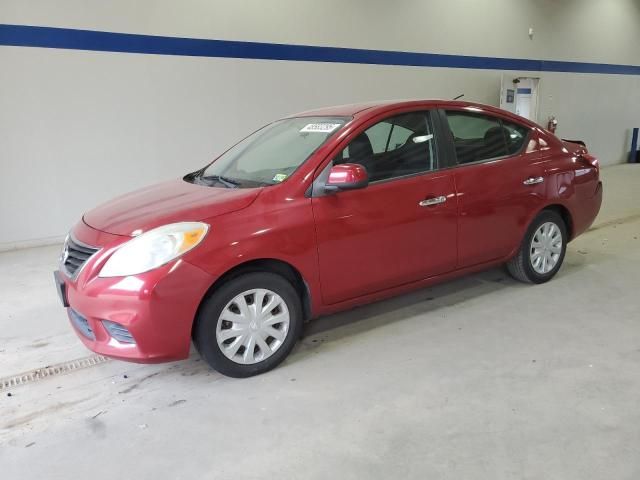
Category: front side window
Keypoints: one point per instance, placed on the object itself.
(478, 137)
(271, 154)
(397, 146)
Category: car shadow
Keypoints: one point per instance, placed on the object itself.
(397, 309)
(423, 301)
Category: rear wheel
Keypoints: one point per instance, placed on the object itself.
(249, 325)
(542, 251)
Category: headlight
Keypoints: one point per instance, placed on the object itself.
(154, 248)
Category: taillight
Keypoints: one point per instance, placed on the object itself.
(590, 160)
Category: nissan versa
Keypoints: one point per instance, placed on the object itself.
(317, 213)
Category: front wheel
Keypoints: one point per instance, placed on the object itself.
(542, 251)
(249, 325)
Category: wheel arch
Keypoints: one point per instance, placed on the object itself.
(271, 265)
(561, 210)
(566, 216)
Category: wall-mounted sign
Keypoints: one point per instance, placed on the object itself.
(510, 95)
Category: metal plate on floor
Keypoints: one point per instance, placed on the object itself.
(50, 371)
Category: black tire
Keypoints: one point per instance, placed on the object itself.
(520, 266)
(211, 309)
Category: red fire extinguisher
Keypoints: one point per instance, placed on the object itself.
(552, 125)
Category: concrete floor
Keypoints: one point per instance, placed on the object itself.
(479, 378)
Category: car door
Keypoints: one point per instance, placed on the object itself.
(401, 227)
(499, 181)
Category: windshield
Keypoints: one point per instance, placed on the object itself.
(271, 154)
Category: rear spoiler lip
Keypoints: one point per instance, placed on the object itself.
(577, 142)
(577, 147)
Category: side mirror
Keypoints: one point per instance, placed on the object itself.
(348, 176)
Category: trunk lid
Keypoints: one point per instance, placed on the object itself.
(579, 149)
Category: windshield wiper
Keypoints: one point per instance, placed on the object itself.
(226, 181)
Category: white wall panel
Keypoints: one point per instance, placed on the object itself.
(604, 31)
(77, 127)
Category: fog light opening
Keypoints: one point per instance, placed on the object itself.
(118, 332)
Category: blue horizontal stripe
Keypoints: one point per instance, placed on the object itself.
(524, 91)
(73, 39)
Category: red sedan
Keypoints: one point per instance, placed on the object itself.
(317, 213)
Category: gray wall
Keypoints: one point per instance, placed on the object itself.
(77, 127)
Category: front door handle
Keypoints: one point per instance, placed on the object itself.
(533, 180)
(429, 202)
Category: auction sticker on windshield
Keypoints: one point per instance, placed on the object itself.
(280, 177)
(320, 127)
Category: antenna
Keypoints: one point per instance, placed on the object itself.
(459, 96)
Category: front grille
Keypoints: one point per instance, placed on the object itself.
(74, 256)
(82, 324)
(119, 332)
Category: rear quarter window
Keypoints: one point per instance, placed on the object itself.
(516, 136)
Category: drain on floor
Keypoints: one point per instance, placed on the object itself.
(51, 371)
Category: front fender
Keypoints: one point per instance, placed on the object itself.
(256, 233)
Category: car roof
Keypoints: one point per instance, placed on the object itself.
(347, 110)
(381, 106)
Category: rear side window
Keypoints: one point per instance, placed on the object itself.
(478, 137)
(516, 136)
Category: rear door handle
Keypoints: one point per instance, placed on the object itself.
(433, 201)
(533, 180)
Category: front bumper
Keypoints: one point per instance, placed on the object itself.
(157, 308)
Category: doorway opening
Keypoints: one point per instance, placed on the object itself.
(519, 95)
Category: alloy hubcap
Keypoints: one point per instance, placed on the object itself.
(253, 326)
(546, 247)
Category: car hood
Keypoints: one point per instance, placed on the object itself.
(167, 202)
